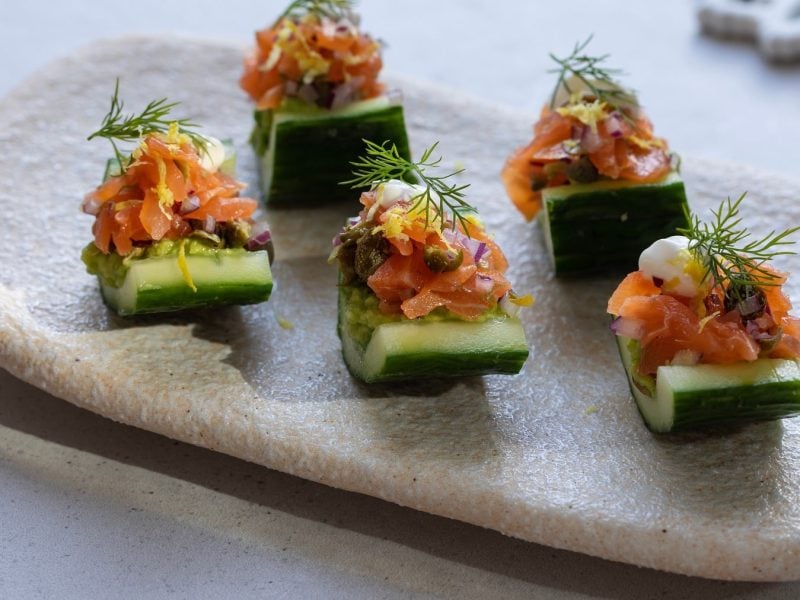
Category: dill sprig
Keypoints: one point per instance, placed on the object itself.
(382, 162)
(732, 259)
(599, 79)
(117, 127)
(335, 10)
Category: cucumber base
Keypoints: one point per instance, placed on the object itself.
(157, 284)
(604, 226)
(432, 347)
(693, 397)
(304, 155)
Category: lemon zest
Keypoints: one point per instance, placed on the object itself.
(311, 63)
(184, 266)
(526, 300)
(646, 144)
(284, 324)
(165, 196)
(588, 113)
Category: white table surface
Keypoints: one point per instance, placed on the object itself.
(90, 508)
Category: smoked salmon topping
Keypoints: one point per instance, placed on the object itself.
(165, 193)
(591, 130)
(566, 150)
(315, 54)
(420, 247)
(415, 265)
(697, 299)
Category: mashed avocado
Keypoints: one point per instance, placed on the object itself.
(645, 383)
(112, 267)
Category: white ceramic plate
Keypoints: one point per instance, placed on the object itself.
(557, 455)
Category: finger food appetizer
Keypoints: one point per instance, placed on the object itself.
(704, 330)
(604, 184)
(314, 79)
(171, 231)
(422, 290)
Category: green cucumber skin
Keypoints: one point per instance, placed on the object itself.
(436, 364)
(606, 229)
(312, 156)
(767, 399)
(177, 298)
(174, 294)
(766, 402)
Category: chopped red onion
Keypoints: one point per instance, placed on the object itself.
(480, 251)
(343, 95)
(629, 328)
(614, 125)
(686, 358)
(290, 87)
(190, 204)
(91, 206)
(260, 236)
(210, 224)
(591, 140)
(308, 94)
(752, 305)
(483, 283)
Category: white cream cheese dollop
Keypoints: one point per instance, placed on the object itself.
(393, 191)
(671, 261)
(213, 156)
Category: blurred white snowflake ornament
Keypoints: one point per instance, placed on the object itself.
(774, 25)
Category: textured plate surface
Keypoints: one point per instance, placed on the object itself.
(556, 455)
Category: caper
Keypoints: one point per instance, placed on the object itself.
(371, 252)
(747, 299)
(440, 260)
(351, 235)
(582, 171)
(346, 256)
(237, 233)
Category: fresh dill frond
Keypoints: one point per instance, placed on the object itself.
(117, 127)
(335, 10)
(734, 261)
(599, 79)
(382, 162)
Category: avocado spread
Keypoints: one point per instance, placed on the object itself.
(112, 268)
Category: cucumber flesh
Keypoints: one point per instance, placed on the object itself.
(410, 349)
(604, 226)
(157, 284)
(305, 154)
(692, 397)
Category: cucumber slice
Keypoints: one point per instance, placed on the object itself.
(157, 284)
(305, 152)
(604, 226)
(691, 397)
(397, 349)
